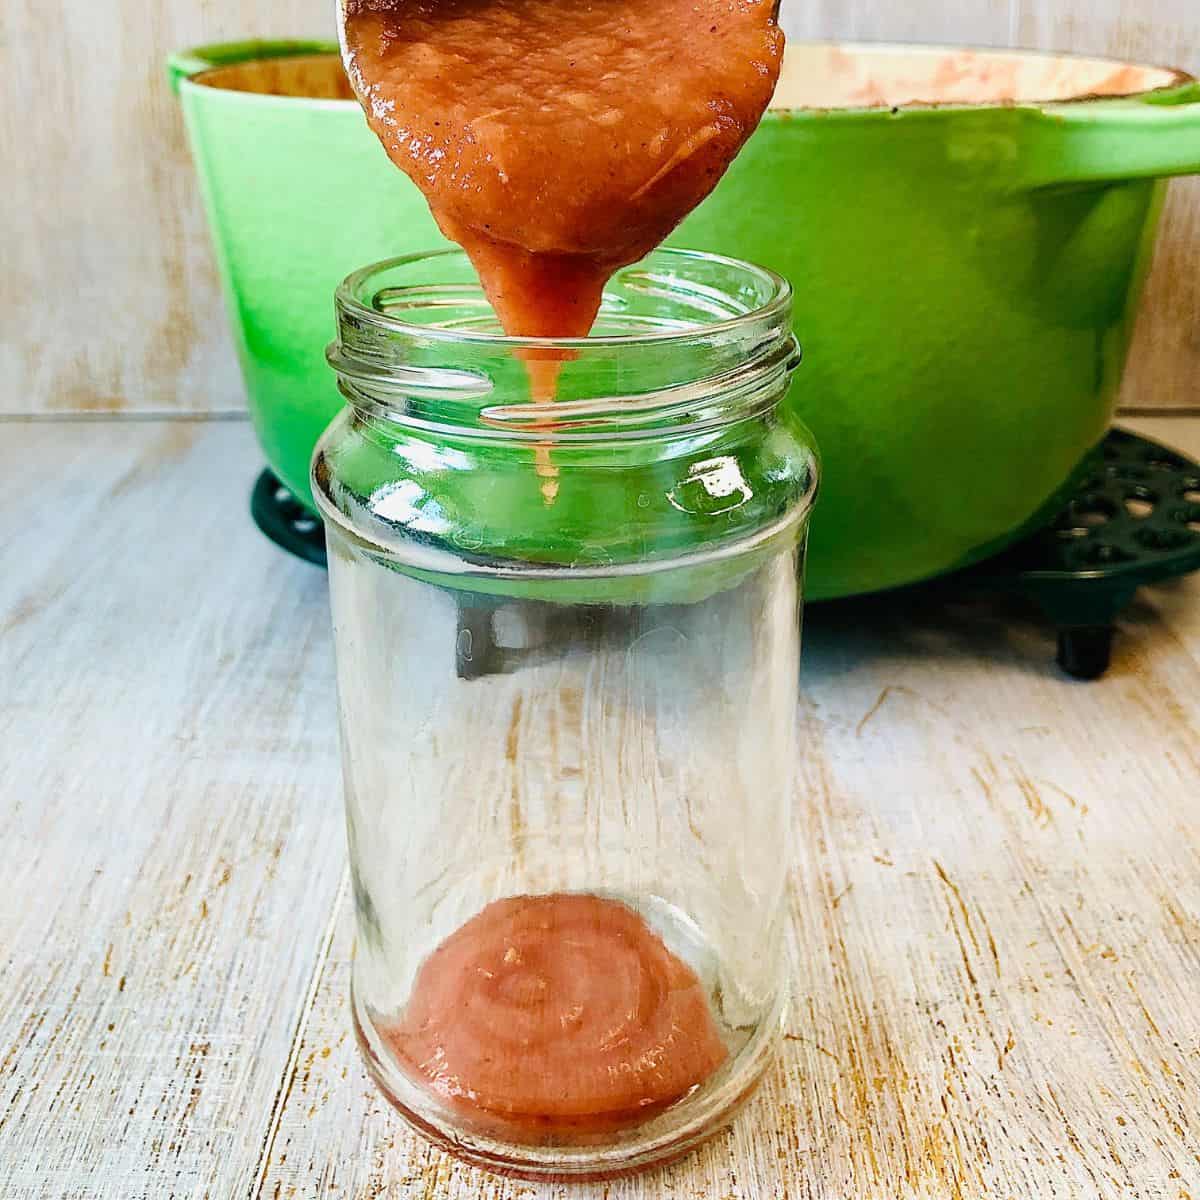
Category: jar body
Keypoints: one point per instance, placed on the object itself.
(568, 780)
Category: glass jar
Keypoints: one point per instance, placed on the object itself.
(565, 590)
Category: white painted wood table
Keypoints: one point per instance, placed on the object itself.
(996, 884)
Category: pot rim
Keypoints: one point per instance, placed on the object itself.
(1180, 80)
(191, 66)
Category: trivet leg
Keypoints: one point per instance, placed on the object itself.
(1085, 652)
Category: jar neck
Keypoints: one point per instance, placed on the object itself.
(685, 342)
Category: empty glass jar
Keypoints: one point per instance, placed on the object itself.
(565, 587)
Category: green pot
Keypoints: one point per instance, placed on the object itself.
(966, 276)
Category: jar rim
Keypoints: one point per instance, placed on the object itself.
(684, 339)
(355, 296)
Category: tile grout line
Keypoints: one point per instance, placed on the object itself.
(123, 417)
(1136, 412)
(292, 1069)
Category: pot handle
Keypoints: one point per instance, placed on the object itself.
(183, 64)
(1111, 140)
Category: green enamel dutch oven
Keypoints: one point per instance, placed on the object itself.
(967, 234)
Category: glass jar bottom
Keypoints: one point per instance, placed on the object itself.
(669, 1137)
(547, 1139)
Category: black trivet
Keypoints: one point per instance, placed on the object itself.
(286, 521)
(1134, 520)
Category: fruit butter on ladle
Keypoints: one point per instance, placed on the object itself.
(557, 143)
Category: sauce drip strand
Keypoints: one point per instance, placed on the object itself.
(557, 140)
(554, 1013)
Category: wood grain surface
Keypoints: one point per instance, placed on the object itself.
(169, 809)
(995, 889)
(108, 293)
(109, 297)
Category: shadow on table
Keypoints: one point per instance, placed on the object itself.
(949, 626)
